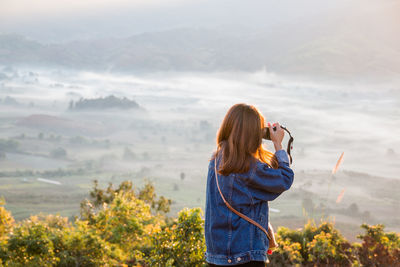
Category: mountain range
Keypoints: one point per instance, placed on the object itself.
(343, 46)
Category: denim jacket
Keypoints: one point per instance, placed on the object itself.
(231, 240)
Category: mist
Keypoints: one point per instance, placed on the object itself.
(135, 91)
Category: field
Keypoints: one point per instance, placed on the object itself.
(170, 139)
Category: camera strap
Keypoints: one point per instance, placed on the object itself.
(290, 143)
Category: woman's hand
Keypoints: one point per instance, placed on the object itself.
(276, 136)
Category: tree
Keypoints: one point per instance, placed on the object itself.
(176, 187)
(71, 105)
(353, 209)
(128, 154)
(58, 152)
(126, 222)
(146, 193)
(108, 102)
(308, 204)
(8, 145)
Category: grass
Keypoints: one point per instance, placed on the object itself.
(163, 167)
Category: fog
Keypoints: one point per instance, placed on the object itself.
(325, 119)
(70, 20)
(135, 91)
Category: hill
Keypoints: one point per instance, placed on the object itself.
(339, 45)
(101, 103)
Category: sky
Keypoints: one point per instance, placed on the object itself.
(49, 21)
(61, 20)
(20, 9)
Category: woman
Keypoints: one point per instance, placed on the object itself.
(249, 176)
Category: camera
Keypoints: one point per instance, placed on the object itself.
(267, 134)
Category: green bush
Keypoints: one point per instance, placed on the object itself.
(6, 220)
(129, 227)
(378, 248)
(180, 243)
(312, 246)
(30, 244)
(58, 152)
(128, 223)
(53, 241)
(8, 145)
(81, 246)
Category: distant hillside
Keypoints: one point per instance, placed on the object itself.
(339, 46)
(101, 103)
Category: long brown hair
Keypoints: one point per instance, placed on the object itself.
(240, 140)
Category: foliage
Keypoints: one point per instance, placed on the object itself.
(103, 103)
(180, 243)
(6, 220)
(8, 145)
(312, 246)
(30, 244)
(126, 221)
(129, 154)
(125, 226)
(52, 241)
(58, 152)
(378, 248)
(147, 194)
(81, 246)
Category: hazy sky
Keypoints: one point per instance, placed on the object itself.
(132, 16)
(21, 9)
(50, 20)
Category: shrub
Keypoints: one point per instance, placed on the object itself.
(53, 241)
(180, 243)
(81, 246)
(6, 220)
(378, 248)
(314, 246)
(125, 227)
(147, 194)
(30, 244)
(58, 152)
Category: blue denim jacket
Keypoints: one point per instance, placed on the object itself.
(231, 240)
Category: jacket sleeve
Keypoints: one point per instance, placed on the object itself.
(266, 183)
